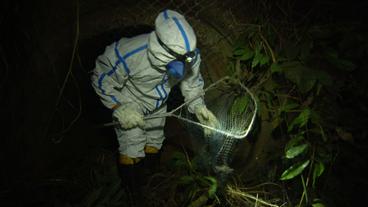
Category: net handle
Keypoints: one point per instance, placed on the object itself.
(217, 130)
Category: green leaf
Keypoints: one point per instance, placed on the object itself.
(239, 105)
(255, 61)
(294, 170)
(186, 180)
(317, 203)
(294, 141)
(264, 60)
(304, 77)
(295, 151)
(275, 122)
(301, 120)
(257, 57)
(299, 74)
(319, 168)
(213, 186)
(275, 68)
(289, 106)
(344, 135)
(178, 161)
(239, 51)
(243, 53)
(246, 56)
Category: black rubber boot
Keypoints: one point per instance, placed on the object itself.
(132, 177)
(152, 164)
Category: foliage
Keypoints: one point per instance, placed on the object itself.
(188, 184)
(199, 186)
(290, 73)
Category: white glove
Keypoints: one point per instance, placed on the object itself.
(207, 118)
(128, 117)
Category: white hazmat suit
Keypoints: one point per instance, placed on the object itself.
(131, 78)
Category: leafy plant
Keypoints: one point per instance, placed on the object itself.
(199, 186)
(291, 80)
(189, 186)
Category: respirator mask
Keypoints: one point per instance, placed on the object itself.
(179, 67)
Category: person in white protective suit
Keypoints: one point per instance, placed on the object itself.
(133, 77)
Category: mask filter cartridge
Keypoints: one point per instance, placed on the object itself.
(176, 69)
